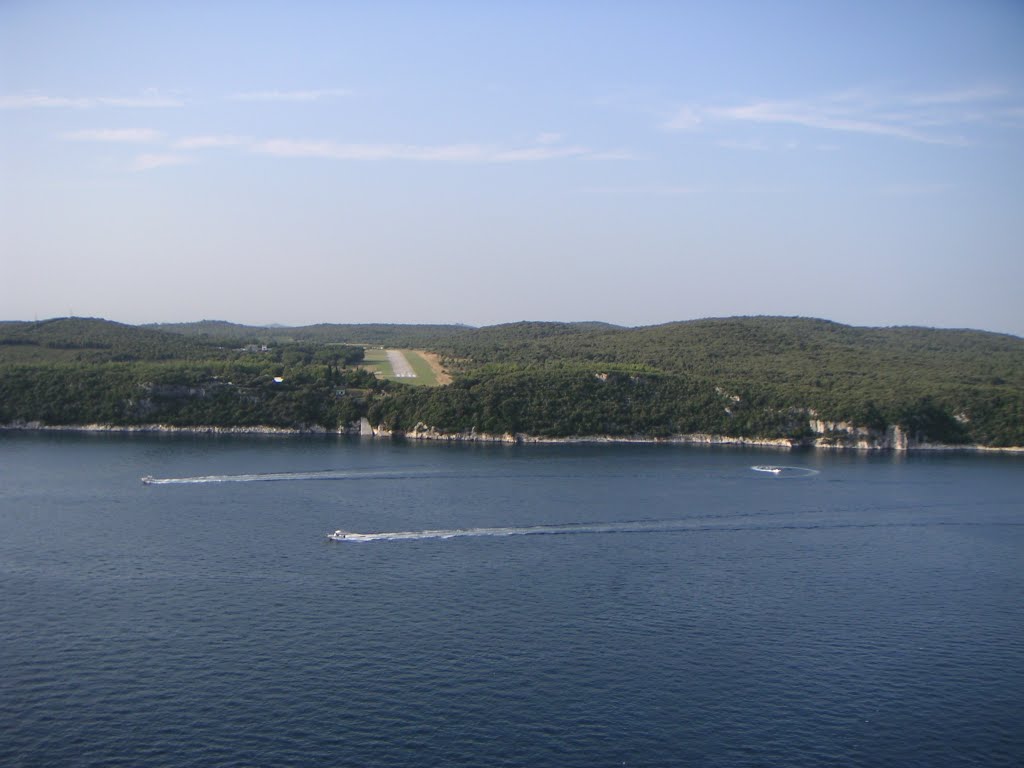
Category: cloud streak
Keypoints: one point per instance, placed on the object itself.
(115, 135)
(211, 142)
(464, 153)
(291, 96)
(825, 118)
(545, 148)
(929, 118)
(148, 162)
(149, 100)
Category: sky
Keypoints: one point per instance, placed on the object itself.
(483, 162)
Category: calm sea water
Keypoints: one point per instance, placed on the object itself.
(622, 605)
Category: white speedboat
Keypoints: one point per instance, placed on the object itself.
(767, 468)
(338, 535)
(147, 480)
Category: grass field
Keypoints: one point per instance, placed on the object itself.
(424, 373)
(376, 360)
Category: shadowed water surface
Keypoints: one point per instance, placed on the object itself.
(533, 605)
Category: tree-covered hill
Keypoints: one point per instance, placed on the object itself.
(379, 334)
(961, 384)
(93, 339)
(370, 334)
(84, 371)
(760, 377)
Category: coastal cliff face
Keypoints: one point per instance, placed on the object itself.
(828, 435)
(843, 434)
(893, 438)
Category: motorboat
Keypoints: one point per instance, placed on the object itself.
(767, 468)
(147, 480)
(338, 535)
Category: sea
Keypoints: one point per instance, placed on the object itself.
(501, 605)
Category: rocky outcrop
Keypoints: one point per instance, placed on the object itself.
(424, 432)
(844, 434)
(828, 435)
(835, 438)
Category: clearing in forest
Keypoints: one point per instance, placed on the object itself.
(406, 365)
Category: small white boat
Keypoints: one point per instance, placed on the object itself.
(767, 468)
(338, 535)
(147, 480)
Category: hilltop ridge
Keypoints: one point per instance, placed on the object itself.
(744, 377)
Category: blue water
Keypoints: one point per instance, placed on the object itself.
(571, 605)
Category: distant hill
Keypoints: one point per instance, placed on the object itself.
(92, 339)
(802, 351)
(213, 328)
(970, 381)
(767, 377)
(371, 334)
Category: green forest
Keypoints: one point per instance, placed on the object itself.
(757, 377)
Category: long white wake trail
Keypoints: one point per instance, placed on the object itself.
(455, 533)
(743, 523)
(637, 526)
(286, 476)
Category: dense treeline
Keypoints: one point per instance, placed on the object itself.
(90, 339)
(944, 385)
(567, 401)
(558, 402)
(77, 339)
(214, 394)
(377, 334)
(82, 371)
(749, 377)
(371, 334)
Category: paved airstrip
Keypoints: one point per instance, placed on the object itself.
(400, 365)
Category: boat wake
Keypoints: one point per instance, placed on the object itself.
(636, 526)
(409, 474)
(782, 471)
(458, 533)
(267, 477)
(665, 526)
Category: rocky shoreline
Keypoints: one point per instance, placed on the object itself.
(893, 440)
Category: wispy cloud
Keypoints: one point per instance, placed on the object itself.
(545, 147)
(150, 161)
(548, 137)
(293, 96)
(826, 118)
(960, 96)
(684, 119)
(115, 135)
(643, 190)
(34, 101)
(930, 118)
(145, 102)
(148, 100)
(466, 153)
(612, 154)
(211, 142)
(545, 152)
(744, 145)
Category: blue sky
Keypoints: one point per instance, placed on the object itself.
(478, 162)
